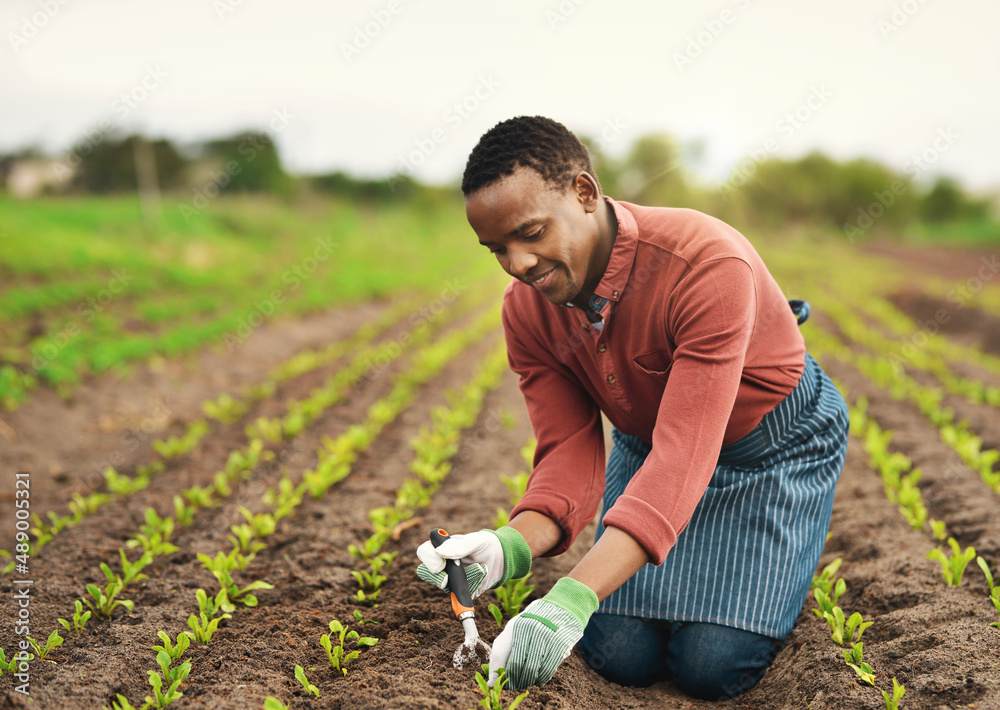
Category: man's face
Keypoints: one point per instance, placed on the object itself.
(542, 236)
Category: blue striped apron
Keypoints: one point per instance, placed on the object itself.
(747, 557)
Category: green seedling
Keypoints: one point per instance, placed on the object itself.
(121, 703)
(11, 665)
(359, 617)
(856, 623)
(80, 619)
(300, 675)
(371, 581)
(262, 524)
(272, 703)
(337, 654)
(855, 659)
(200, 497)
(183, 513)
(237, 595)
(492, 696)
(163, 660)
(212, 606)
(222, 562)
(512, 595)
(203, 628)
(225, 409)
(898, 691)
(81, 507)
(825, 579)
(266, 429)
(131, 571)
(828, 603)
(155, 534)
(54, 641)
(123, 485)
(245, 543)
(206, 623)
(836, 621)
(937, 529)
(162, 699)
(105, 601)
(174, 651)
(994, 589)
(175, 446)
(45, 532)
(953, 565)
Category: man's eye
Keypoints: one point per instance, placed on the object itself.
(534, 237)
(498, 250)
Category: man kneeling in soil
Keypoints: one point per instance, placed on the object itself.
(728, 437)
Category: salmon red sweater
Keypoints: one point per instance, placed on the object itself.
(698, 344)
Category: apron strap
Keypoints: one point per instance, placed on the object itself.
(801, 310)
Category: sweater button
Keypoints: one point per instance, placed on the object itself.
(601, 348)
(614, 295)
(611, 379)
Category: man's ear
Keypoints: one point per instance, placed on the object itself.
(587, 190)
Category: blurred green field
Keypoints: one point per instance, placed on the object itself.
(83, 288)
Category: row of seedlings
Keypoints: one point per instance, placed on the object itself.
(154, 536)
(434, 448)
(900, 479)
(247, 539)
(226, 409)
(827, 590)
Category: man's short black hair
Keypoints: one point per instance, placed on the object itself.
(535, 142)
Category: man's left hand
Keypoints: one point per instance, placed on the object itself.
(537, 640)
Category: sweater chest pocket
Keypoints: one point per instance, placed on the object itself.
(655, 364)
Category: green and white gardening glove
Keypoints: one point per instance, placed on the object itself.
(491, 557)
(537, 640)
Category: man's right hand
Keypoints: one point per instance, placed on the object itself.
(491, 557)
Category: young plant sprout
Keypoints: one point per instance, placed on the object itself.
(161, 699)
(898, 691)
(130, 570)
(54, 641)
(994, 589)
(492, 696)
(105, 601)
(272, 703)
(122, 703)
(80, 619)
(953, 565)
(300, 675)
(828, 603)
(174, 651)
(338, 655)
(371, 581)
(511, 595)
(855, 659)
(206, 623)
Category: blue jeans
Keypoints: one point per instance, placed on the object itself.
(707, 661)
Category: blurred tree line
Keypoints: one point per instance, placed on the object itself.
(854, 196)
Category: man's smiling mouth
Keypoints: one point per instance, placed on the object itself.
(543, 280)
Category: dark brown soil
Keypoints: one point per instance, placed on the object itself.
(936, 640)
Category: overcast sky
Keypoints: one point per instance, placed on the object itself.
(384, 85)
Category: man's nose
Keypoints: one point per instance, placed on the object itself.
(521, 262)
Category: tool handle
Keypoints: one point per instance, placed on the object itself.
(458, 583)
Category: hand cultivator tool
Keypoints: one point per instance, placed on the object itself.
(461, 604)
